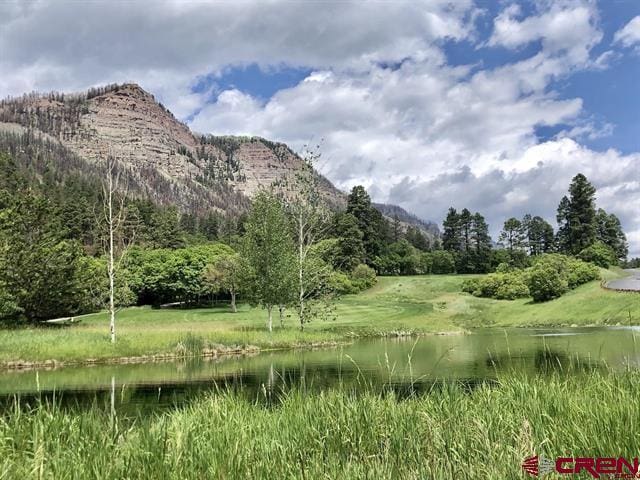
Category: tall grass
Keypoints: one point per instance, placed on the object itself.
(450, 433)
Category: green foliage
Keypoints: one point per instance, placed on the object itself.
(442, 262)
(350, 250)
(41, 270)
(546, 283)
(363, 277)
(513, 234)
(609, 231)
(9, 308)
(599, 254)
(579, 272)
(539, 236)
(551, 276)
(374, 228)
(576, 216)
(268, 250)
(340, 283)
(501, 286)
(466, 236)
(163, 275)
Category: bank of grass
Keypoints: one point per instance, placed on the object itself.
(448, 433)
(395, 306)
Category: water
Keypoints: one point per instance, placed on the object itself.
(400, 364)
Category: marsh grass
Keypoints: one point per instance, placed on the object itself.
(451, 432)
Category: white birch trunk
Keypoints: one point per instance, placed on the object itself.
(270, 323)
(111, 266)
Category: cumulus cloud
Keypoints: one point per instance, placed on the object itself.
(568, 28)
(69, 45)
(394, 114)
(629, 35)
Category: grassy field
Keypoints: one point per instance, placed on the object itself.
(450, 433)
(396, 305)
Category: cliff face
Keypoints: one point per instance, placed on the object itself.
(164, 159)
(128, 123)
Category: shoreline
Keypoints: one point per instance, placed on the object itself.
(209, 353)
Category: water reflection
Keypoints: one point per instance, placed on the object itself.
(402, 366)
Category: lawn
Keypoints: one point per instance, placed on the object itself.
(395, 306)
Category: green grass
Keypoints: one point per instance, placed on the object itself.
(449, 433)
(396, 305)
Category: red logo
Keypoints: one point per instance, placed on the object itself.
(609, 467)
(538, 466)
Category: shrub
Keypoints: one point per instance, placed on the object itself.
(512, 286)
(501, 286)
(546, 283)
(340, 283)
(470, 285)
(579, 272)
(363, 277)
(599, 254)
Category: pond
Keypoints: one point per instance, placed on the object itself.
(404, 365)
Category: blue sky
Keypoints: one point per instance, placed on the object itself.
(489, 105)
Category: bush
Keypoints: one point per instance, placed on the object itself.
(501, 286)
(599, 254)
(579, 272)
(470, 285)
(363, 277)
(340, 283)
(546, 283)
(442, 262)
(513, 286)
(425, 263)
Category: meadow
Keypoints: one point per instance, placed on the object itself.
(452, 432)
(394, 306)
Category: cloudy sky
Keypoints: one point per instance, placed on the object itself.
(487, 104)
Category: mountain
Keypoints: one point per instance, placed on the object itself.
(164, 159)
(394, 211)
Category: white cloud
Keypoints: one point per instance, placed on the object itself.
(423, 134)
(629, 35)
(567, 27)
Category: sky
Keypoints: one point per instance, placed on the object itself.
(493, 105)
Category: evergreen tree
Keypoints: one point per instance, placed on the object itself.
(539, 235)
(563, 235)
(451, 231)
(371, 223)
(609, 232)
(513, 235)
(396, 229)
(416, 238)
(576, 216)
(350, 247)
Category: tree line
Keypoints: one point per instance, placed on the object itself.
(286, 253)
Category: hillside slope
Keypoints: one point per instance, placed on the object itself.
(164, 159)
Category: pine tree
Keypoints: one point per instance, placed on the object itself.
(609, 231)
(371, 223)
(539, 235)
(512, 236)
(581, 214)
(451, 231)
